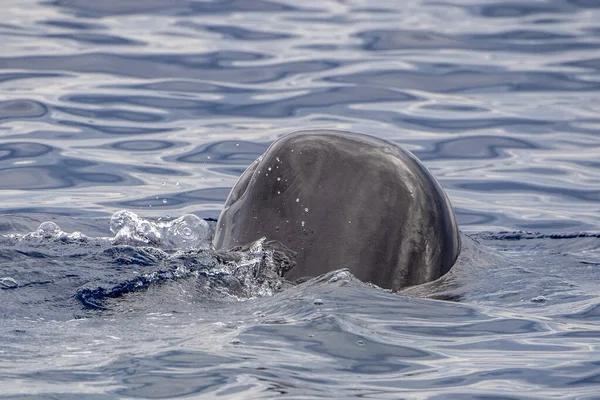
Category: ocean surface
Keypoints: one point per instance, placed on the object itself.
(125, 123)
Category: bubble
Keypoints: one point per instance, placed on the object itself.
(303, 224)
(539, 299)
(278, 178)
(8, 283)
(128, 227)
(269, 168)
(48, 228)
(188, 232)
(318, 302)
(306, 209)
(164, 201)
(297, 200)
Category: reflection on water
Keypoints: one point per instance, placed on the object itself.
(158, 106)
(130, 95)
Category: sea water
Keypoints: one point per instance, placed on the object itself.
(147, 112)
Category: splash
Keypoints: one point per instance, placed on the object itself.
(187, 232)
(239, 274)
(143, 253)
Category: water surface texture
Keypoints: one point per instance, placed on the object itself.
(156, 107)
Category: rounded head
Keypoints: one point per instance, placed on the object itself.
(345, 200)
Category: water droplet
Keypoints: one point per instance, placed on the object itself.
(269, 168)
(318, 302)
(349, 222)
(237, 145)
(177, 185)
(360, 343)
(208, 157)
(303, 224)
(278, 192)
(278, 178)
(306, 209)
(163, 184)
(297, 200)
(277, 158)
(164, 201)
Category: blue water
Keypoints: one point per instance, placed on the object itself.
(156, 107)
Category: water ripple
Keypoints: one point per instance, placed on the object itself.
(158, 107)
(18, 109)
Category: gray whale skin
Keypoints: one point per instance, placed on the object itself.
(344, 200)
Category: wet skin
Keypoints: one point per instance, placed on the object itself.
(345, 200)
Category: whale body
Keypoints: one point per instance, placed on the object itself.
(345, 200)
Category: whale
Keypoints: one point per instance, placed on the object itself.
(341, 199)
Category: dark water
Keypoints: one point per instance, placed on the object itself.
(156, 107)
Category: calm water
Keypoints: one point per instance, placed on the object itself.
(157, 106)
